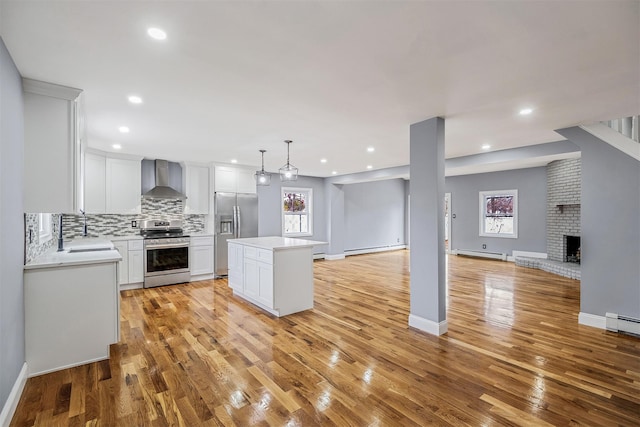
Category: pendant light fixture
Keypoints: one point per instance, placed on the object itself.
(262, 177)
(288, 172)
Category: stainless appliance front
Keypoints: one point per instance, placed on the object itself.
(236, 216)
(166, 261)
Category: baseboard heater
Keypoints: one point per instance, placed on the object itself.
(626, 324)
(480, 254)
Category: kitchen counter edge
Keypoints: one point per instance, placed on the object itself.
(276, 243)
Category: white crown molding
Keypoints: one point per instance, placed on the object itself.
(50, 89)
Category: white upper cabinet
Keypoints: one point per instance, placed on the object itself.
(95, 185)
(225, 179)
(52, 147)
(123, 186)
(196, 184)
(246, 181)
(112, 183)
(234, 180)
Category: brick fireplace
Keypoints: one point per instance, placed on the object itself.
(563, 209)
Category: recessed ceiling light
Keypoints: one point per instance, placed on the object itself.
(526, 111)
(334, 172)
(371, 149)
(116, 146)
(485, 146)
(157, 34)
(135, 99)
(369, 167)
(123, 129)
(234, 160)
(323, 160)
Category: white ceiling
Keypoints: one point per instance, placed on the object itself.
(335, 77)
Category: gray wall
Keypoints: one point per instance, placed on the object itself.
(374, 214)
(532, 204)
(610, 227)
(270, 206)
(12, 355)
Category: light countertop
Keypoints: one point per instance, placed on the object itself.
(91, 251)
(276, 242)
(121, 238)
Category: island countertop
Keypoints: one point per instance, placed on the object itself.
(275, 243)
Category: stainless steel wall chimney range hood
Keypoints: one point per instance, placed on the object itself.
(162, 189)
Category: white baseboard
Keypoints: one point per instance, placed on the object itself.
(374, 250)
(541, 255)
(129, 286)
(428, 326)
(14, 397)
(588, 319)
(318, 256)
(360, 252)
(202, 277)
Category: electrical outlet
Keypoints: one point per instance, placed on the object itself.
(134, 224)
(484, 246)
(398, 240)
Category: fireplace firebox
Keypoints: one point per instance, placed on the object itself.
(572, 249)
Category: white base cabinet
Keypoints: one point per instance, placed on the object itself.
(201, 257)
(136, 261)
(131, 268)
(274, 273)
(72, 315)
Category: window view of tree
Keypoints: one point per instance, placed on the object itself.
(498, 213)
(296, 206)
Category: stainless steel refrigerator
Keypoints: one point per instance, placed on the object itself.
(236, 216)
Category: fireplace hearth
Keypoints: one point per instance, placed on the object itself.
(572, 249)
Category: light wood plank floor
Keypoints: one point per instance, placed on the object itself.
(194, 355)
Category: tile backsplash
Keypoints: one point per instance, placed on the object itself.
(108, 224)
(32, 244)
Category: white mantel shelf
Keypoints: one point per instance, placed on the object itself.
(275, 273)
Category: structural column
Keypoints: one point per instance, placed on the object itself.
(428, 311)
(335, 220)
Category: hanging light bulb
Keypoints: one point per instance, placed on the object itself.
(262, 177)
(288, 172)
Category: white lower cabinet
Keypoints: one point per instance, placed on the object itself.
(71, 315)
(278, 281)
(136, 261)
(235, 267)
(201, 256)
(131, 268)
(123, 266)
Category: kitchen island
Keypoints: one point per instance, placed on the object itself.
(275, 273)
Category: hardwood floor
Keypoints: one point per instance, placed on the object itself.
(194, 355)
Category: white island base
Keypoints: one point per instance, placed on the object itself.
(274, 273)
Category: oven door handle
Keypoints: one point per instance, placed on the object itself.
(167, 246)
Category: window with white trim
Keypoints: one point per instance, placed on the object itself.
(44, 228)
(499, 213)
(297, 208)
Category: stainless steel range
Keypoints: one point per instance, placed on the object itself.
(166, 253)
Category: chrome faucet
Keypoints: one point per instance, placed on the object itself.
(84, 231)
(60, 240)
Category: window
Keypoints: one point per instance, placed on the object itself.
(499, 213)
(296, 212)
(44, 227)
